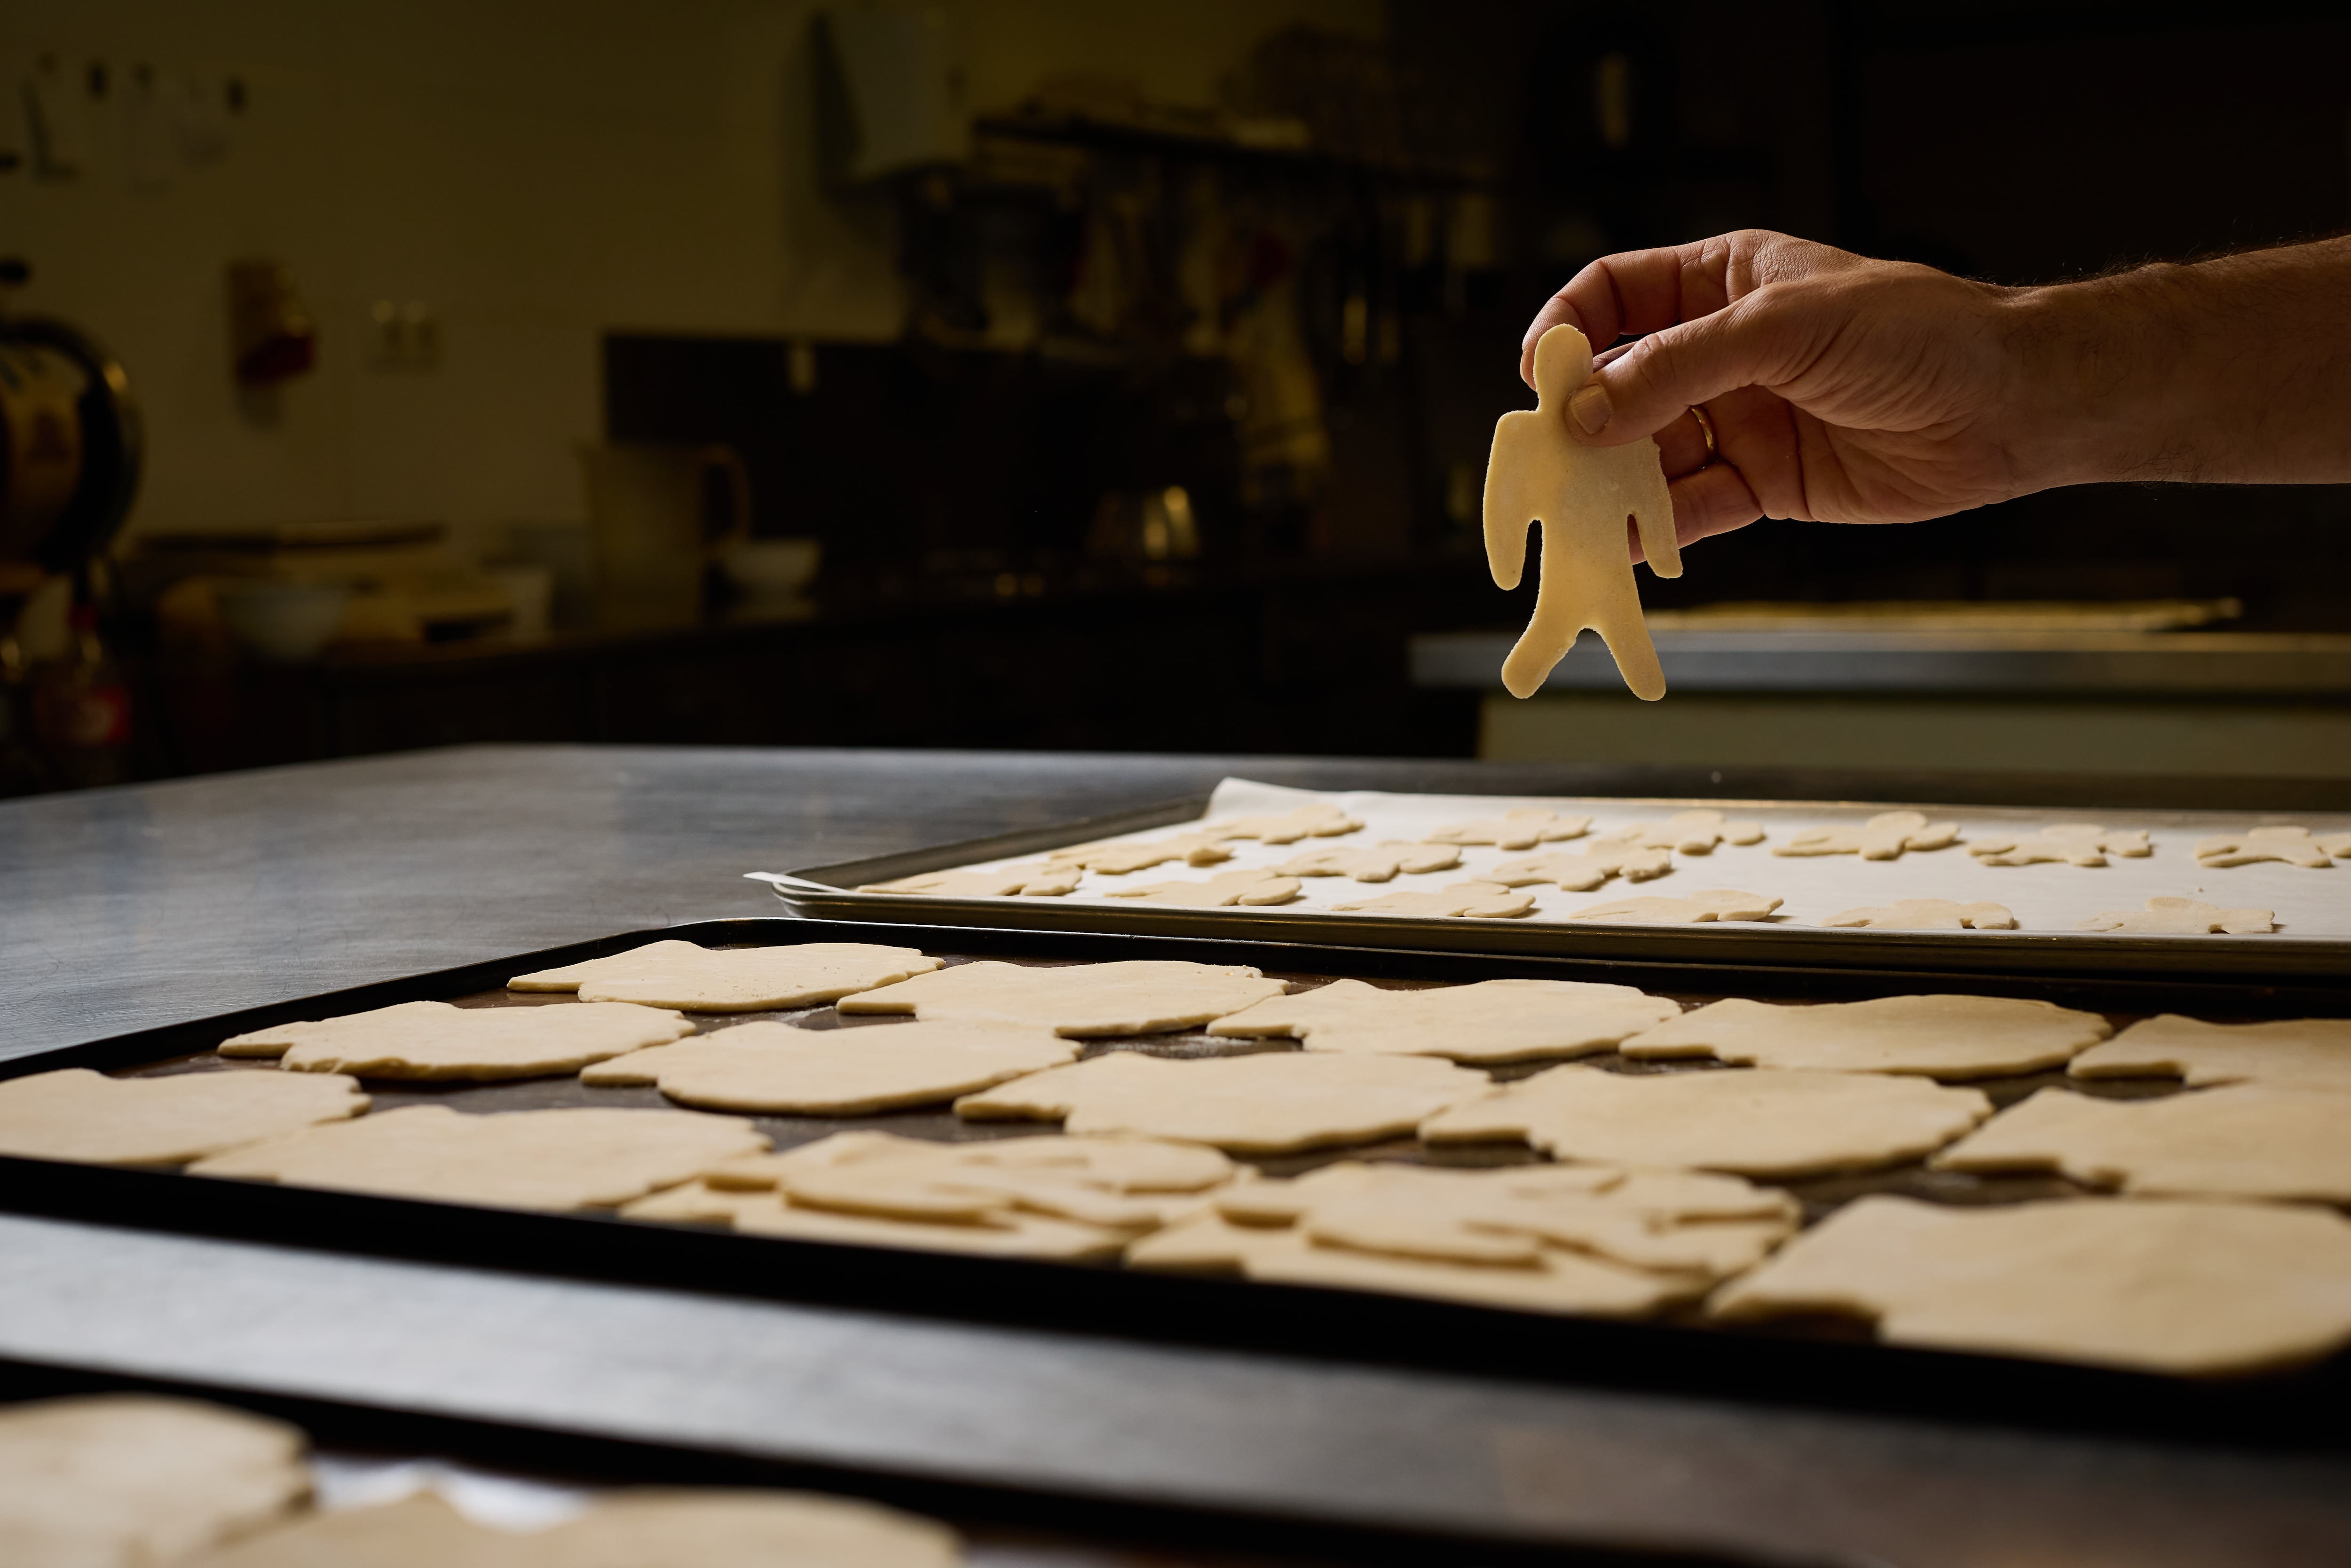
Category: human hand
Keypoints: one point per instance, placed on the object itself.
(1841, 390)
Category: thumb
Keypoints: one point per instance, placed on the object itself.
(1754, 342)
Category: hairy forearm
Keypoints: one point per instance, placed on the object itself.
(2236, 371)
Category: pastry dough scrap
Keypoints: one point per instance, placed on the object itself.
(1583, 497)
(1033, 1236)
(2192, 1288)
(776, 1069)
(1884, 837)
(1037, 879)
(2241, 1142)
(2285, 1053)
(1758, 1124)
(2295, 846)
(1133, 996)
(76, 1114)
(1692, 833)
(1580, 870)
(1492, 1020)
(1520, 828)
(1123, 860)
(1467, 900)
(1673, 1222)
(1383, 862)
(1269, 1104)
(1122, 1184)
(435, 1039)
(1710, 904)
(516, 1159)
(1930, 1035)
(1219, 892)
(2179, 916)
(732, 979)
(1315, 820)
(2069, 844)
(1928, 914)
(131, 1478)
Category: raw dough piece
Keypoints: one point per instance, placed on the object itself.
(1560, 1280)
(418, 1532)
(713, 1528)
(1691, 832)
(2284, 1053)
(1778, 1123)
(1316, 820)
(1672, 1222)
(1520, 828)
(1931, 1036)
(778, 1070)
(769, 1213)
(1580, 870)
(435, 1039)
(515, 1159)
(1882, 838)
(2293, 845)
(2073, 844)
(1928, 914)
(2241, 1142)
(1492, 1021)
(74, 1114)
(1472, 900)
(1037, 879)
(1121, 860)
(1711, 904)
(2177, 916)
(732, 979)
(1133, 996)
(1219, 892)
(1269, 1104)
(1124, 1183)
(1377, 864)
(726, 1528)
(130, 1478)
(2201, 1289)
(1582, 496)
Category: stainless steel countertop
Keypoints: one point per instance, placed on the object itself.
(130, 907)
(2185, 664)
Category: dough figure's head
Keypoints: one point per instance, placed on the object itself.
(1562, 364)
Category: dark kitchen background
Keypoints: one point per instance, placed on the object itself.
(1005, 374)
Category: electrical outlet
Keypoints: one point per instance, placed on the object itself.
(406, 335)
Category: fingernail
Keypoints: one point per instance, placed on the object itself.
(1590, 409)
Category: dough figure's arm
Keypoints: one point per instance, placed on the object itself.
(1510, 506)
(1652, 513)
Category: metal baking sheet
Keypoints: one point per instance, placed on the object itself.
(2313, 906)
(1814, 1364)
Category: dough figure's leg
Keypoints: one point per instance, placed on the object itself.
(1579, 586)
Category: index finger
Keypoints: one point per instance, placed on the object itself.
(1634, 292)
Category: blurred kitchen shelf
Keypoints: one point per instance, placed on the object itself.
(1312, 663)
(1106, 136)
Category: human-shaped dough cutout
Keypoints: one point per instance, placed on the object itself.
(1521, 829)
(1882, 838)
(2294, 846)
(1123, 860)
(1928, 914)
(1463, 900)
(1224, 889)
(2066, 843)
(1706, 904)
(1315, 820)
(1690, 832)
(2181, 917)
(1580, 870)
(1583, 497)
(1035, 880)
(1383, 862)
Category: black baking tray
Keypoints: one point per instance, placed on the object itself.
(1810, 1365)
(1000, 1524)
(830, 892)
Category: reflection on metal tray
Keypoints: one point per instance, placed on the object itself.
(1832, 1365)
(828, 892)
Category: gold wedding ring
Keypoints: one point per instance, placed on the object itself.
(1706, 428)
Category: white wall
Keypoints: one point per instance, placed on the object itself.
(537, 171)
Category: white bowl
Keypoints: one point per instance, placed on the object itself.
(287, 621)
(772, 569)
